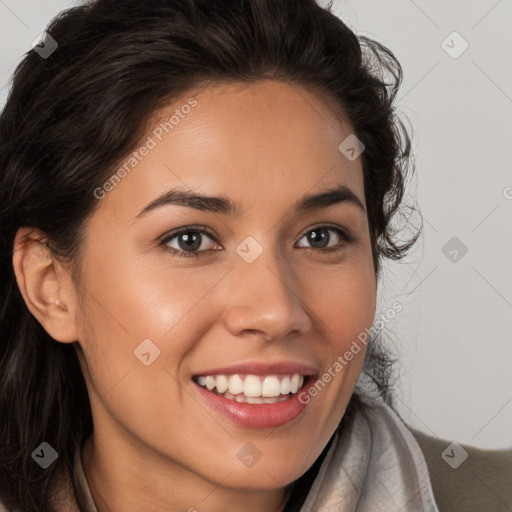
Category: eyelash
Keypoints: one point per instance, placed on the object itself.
(343, 234)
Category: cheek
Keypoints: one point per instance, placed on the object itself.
(345, 301)
(133, 311)
(141, 300)
(345, 307)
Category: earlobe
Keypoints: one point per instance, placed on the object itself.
(45, 286)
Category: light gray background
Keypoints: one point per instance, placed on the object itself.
(454, 333)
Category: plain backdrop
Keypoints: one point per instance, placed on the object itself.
(454, 334)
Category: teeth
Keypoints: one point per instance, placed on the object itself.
(236, 385)
(210, 382)
(271, 387)
(222, 383)
(252, 386)
(285, 385)
(253, 389)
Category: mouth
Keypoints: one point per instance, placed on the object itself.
(256, 395)
(253, 389)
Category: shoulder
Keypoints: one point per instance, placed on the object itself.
(465, 478)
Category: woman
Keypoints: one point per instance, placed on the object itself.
(196, 199)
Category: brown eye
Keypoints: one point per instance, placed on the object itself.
(188, 242)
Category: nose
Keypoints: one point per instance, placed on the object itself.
(265, 299)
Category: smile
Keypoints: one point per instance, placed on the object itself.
(253, 389)
(255, 394)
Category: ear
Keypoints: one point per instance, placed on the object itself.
(46, 286)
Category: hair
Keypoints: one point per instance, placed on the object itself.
(72, 117)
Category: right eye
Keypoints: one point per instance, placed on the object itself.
(187, 242)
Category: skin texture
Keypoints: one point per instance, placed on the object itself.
(157, 445)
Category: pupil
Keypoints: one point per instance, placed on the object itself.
(313, 237)
(193, 241)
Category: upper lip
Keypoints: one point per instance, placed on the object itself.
(262, 368)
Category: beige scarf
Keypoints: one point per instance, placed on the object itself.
(374, 465)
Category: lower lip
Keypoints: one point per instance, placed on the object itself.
(255, 415)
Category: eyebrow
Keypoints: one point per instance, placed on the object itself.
(223, 205)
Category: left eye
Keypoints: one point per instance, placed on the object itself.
(319, 237)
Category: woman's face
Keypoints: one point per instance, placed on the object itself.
(270, 289)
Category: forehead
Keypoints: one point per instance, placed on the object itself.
(263, 142)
